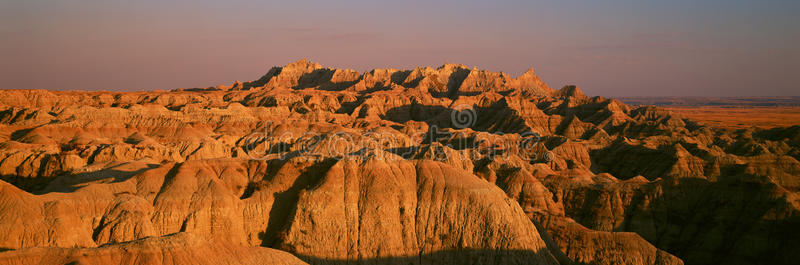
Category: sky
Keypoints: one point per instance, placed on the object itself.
(608, 48)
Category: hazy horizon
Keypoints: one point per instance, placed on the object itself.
(616, 48)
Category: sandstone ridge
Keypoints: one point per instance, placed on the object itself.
(309, 164)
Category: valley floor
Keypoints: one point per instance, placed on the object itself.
(739, 117)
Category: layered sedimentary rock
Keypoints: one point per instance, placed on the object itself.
(421, 166)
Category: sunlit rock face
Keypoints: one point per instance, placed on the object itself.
(425, 166)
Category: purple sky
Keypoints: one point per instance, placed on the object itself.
(608, 48)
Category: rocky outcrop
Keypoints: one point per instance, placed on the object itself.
(417, 210)
(586, 246)
(421, 166)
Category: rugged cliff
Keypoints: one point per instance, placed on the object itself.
(422, 166)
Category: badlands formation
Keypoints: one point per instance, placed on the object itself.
(450, 165)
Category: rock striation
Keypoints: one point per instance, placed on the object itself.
(309, 164)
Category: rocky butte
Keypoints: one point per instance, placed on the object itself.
(447, 165)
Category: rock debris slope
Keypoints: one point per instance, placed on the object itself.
(309, 164)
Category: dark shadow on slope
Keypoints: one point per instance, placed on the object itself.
(19, 134)
(348, 107)
(28, 184)
(413, 83)
(738, 220)
(286, 202)
(454, 81)
(168, 179)
(374, 89)
(625, 161)
(404, 152)
(315, 78)
(396, 78)
(73, 182)
(45, 181)
(551, 244)
(497, 118)
(253, 186)
(741, 219)
(433, 115)
(274, 71)
(322, 80)
(789, 134)
(400, 76)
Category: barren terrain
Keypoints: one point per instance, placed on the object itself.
(740, 117)
(452, 165)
